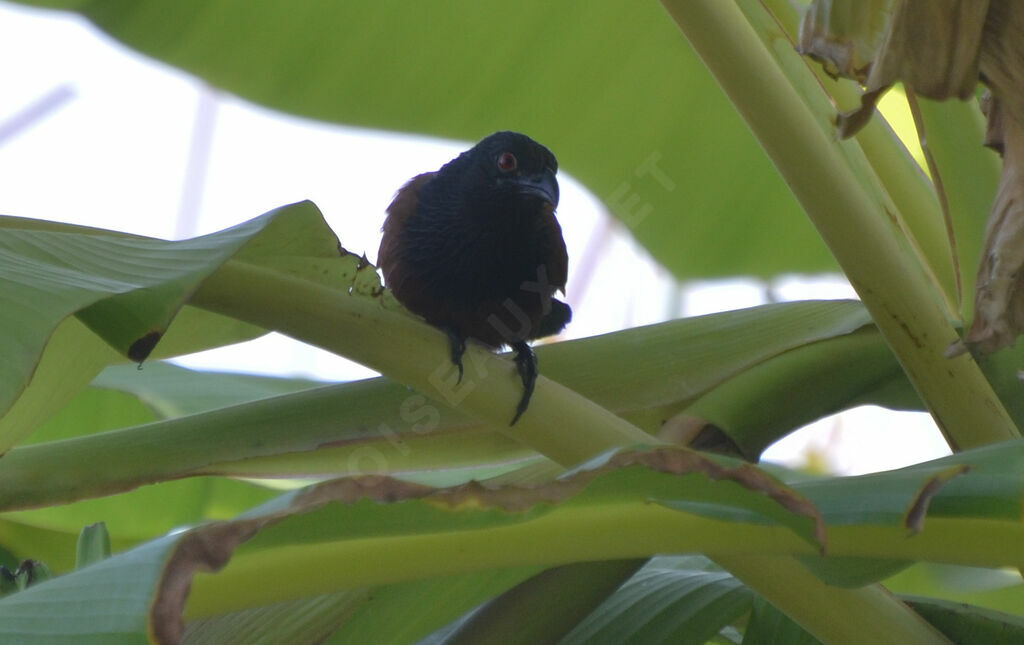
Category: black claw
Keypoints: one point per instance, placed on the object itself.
(526, 363)
(458, 347)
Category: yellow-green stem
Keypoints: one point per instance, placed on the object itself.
(560, 423)
(865, 239)
(611, 531)
(870, 614)
(893, 167)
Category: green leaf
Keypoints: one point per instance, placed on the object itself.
(966, 624)
(123, 289)
(330, 537)
(853, 572)
(998, 589)
(175, 391)
(311, 533)
(105, 603)
(579, 588)
(303, 57)
(397, 614)
(768, 626)
(298, 622)
(988, 484)
(93, 545)
(406, 612)
(659, 370)
(139, 514)
(321, 536)
(665, 603)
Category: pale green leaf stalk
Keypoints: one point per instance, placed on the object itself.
(861, 229)
(560, 423)
(891, 165)
(867, 615)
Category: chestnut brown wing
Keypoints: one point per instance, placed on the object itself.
(402, 207)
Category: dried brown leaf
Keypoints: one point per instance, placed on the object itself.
(932, 46)
(209, 547)
(999, 295)
(940, 49)
(914, 519)
(1002, 55)
(206, 549)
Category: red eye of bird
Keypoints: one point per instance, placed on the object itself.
(507, 162)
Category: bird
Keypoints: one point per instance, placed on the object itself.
(475, 249)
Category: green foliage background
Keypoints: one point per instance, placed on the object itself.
(632, 111)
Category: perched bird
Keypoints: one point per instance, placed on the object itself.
(476, 250)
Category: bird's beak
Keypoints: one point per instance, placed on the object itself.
(544, 186)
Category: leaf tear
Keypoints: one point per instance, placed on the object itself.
(209, 547)
(914, 519)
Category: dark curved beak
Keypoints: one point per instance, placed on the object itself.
(544, 186)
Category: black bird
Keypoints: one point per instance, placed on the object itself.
(476, 250)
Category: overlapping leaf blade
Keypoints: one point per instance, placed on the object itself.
(664, 603)
(125, 289)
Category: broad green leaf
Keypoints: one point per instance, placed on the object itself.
(984, 487)
(666, 604)
(709, 348)
(392, 614)
(998, 589)
(174, 391)
(311, 534)
(658, 372)
(757, 407)
(579, 589)
(297, 622)
(324, 532)
(770, 350)
(960, 622)
(405, 612)
(124, 289)
(332, 537)
(768, 626)
(148, 511)
(93, 410)
(670, 176)
(853, 572)
(966, 624)
(50, 533)
(984, 483)
(106, 603)
(263, 58)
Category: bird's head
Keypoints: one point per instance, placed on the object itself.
(506, 168)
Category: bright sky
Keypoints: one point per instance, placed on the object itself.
(94, 134)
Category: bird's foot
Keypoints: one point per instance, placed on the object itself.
(458, 347)
(526, 363)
